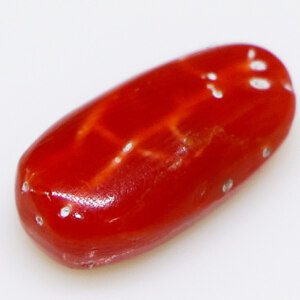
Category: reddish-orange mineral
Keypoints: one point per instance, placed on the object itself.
(137, 165)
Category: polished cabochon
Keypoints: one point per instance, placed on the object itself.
(135, 166)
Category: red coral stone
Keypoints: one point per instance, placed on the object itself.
(137, 165)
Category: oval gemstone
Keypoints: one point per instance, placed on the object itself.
(134, 167)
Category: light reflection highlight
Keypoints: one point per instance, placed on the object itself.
(86, 201)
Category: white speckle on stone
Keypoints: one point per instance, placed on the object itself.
(175, 165)
(215, 92)
(65, 211)
(117, 159)
(114, 220)
(260, 83)
(92, 253)
(212, 76)
(128, 147)
(88, 264)
(288, 87)
(39, 220)
(258, 65)
(251, 53)
(25, 187)
(48, 195)
(266, 152)
(182, 150)
(78, 215)
(227, 186)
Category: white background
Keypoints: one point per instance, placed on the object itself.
(56, 55)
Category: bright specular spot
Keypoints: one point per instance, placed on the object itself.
(78, 215)
(39, 220)
(25, 187)
(266, 152)
(260, 83)
(258, 65)
(215, 92)
(251, 53)
(227, 186)
(212, 76)
(128, 147)
(65, 211)
(117, 159)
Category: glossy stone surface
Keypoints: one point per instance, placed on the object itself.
(139, 164)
